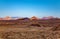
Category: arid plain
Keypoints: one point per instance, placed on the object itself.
(30, 29)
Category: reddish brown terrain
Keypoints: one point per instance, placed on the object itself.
(30, 29)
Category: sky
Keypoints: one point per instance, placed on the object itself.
(29, 8)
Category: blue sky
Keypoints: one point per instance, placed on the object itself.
(28, 8)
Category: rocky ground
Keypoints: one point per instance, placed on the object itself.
(29, 33)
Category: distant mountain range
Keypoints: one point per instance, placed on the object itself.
(33, 17)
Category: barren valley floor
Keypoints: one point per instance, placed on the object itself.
(28, 33)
